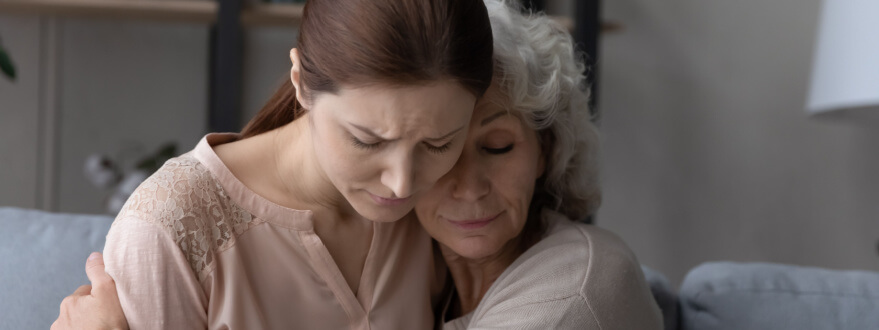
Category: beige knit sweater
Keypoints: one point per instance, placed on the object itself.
(577, 277)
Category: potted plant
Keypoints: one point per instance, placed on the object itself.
(6, 64)
(121, 179)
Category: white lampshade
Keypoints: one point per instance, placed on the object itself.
(845, 76)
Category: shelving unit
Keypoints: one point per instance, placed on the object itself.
(272, 15)
(228, 19)
(291, 15)
(194, 11)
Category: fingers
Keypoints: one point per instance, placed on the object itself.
(84, 290)
(69, 303)
(94, 268)
(62, 323)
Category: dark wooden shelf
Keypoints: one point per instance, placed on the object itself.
(291, 15)
(225, 16)
(194, 11)
(272, 15)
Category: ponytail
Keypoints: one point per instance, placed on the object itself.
(281, 109)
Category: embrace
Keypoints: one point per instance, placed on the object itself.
(426, 166)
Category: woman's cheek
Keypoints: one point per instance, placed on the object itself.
(437, 168)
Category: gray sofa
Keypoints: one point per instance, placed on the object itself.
(42, 258)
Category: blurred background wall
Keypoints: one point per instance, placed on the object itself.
(92, 86)
(116, 87)
(708, 153)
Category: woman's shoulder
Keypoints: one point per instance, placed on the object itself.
(577, 268)
(183, 201)
(569, 251)
(571, 259)
(585, 244)
(182, 186)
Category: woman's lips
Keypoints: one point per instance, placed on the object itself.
(388, 201)
(473, 223)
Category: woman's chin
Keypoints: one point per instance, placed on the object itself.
(475, 248)
(378, 213)
(387, 218)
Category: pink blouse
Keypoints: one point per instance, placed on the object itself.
(193, 248)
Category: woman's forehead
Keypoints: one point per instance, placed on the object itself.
(487, 112)
(494, 94)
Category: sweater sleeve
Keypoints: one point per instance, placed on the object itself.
(156, 285)
(565, 313)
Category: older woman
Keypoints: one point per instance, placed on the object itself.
(503, 216)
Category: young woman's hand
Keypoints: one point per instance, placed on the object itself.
(93, 306)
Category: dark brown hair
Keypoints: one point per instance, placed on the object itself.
(356, 43)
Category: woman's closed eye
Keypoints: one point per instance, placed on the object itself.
(498, 151)
(374, 145)
(363, 145)
(438, 149)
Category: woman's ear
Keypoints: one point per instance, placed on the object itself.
(295, 76)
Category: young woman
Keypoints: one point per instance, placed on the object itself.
(296, 222)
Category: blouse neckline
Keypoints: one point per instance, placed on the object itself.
(240, 194)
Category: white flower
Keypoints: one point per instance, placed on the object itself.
(131, 181)
(100, 171)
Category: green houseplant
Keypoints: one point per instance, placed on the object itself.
(6, 65)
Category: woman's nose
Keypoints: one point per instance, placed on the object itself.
(399, 174)
(469, 180)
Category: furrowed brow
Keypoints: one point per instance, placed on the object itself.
(367, 131)
(441, 138)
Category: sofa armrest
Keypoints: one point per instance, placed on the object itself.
(726, 295)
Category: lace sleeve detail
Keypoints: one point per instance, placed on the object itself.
(187, 202)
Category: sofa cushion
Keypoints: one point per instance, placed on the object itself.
(725, 295)
(42, 260)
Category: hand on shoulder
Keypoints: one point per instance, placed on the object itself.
(94, 306)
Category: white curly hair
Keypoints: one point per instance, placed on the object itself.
(543, 78)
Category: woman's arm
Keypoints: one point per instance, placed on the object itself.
(156, 285)
(94, 306)
(565, 313)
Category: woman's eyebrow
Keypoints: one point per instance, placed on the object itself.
(488, 119)
(367, 131)
(372, 134)
(445, 136)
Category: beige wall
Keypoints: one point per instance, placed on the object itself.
(126, 84)
(20, 114)
(708, 153)
(266, 64)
